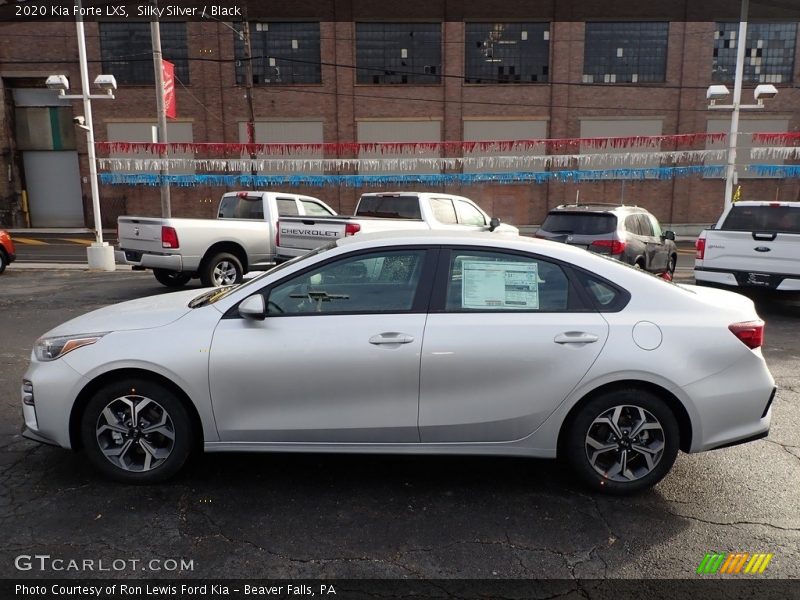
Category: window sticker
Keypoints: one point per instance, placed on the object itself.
(503, 285)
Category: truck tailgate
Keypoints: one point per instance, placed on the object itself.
(139, 234)
(300, 233)
(753, 252)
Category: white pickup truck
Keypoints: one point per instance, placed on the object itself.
(219, 251)
(754, 244)
(386, 211)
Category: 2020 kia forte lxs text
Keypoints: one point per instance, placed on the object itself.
(412, 343)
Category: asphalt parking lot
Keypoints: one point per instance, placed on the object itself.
(293, 516)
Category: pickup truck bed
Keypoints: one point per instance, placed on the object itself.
(754, 244)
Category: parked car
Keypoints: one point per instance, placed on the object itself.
(754, 244)
(628, 233)
(435, 342)
(7, 252)
(218, 251)
(387, 211)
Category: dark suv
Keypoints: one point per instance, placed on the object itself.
(628, 233)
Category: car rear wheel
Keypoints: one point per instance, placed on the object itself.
(622, 441)
(172, 279)
(136, 431)
(221, 269)
(3, 261)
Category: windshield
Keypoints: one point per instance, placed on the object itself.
(216, 294)
(580, 223)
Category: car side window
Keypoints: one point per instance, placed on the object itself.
(469, 215)
(444, 211)
(287, 207)
(377, 282)
(644, 224)
(655, 225)
(315, 209)
(632, 225)
(497, 281)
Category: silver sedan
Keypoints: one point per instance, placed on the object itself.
(412, 343)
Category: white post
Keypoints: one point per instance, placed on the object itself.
(99, 255)
(741, 42)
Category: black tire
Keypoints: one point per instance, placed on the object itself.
(221, 269)
(575, 446)
(137, 391)
(671, 264)
(172, 279)
(3, 261)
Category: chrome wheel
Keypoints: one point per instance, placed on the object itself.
(225, 273)
(135, 433)
(625, 443)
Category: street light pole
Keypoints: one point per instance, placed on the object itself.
(99, 255)
(155, 34)
(741, 43)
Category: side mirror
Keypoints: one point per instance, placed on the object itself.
(253, 307)
(668, 235)
(494, 223)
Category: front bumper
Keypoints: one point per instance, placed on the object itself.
(781, 282)
(30, 434)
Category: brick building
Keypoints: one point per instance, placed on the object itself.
(337, 71)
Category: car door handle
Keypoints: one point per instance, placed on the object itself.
(575, 337)
(391, 337)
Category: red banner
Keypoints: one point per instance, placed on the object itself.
(168, 75)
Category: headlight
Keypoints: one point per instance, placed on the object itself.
(51, 348)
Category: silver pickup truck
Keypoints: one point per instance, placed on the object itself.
(386, 211)
(218, 251)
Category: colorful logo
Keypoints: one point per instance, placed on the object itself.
(734, 563)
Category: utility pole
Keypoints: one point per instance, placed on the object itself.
(248, 86)
(155, 34)
(741, 42)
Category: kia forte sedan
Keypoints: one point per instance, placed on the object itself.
(439, 343)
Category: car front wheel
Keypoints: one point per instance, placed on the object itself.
(136, 431)
(622, 441)
(3, 261)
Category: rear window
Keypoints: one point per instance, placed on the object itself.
(580, 223)
(234, 207)
(389, 207)
(779, 219)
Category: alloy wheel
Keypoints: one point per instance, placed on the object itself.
(135, 433)
(225, 273)
(625, 443)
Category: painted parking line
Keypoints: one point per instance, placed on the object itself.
(81, 241)
(23, 241)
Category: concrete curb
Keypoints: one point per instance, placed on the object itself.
(31, 266)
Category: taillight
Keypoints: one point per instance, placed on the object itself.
(614, 246)
(351, 229)
(169, 237)
(750, 333)
(700, 246)
(277, 233)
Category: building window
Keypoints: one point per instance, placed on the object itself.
(769, 52)
(507, 52)
(288, 132)
(126, 50)
(286, 53)
(386, 161)
(634, 52)
(622, 126)
(404, 53)
(498, 160)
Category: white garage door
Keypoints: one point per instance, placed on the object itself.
(54, 188)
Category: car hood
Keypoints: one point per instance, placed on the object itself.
(143, 313)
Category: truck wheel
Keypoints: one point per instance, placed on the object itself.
(172, 279)
(221, 269)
